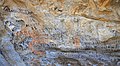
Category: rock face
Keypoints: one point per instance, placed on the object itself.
(59, 33)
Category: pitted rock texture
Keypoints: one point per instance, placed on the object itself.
(59, 33)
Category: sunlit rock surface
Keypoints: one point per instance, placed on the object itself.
(59, 33)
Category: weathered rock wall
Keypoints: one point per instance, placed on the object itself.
(59, 33)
